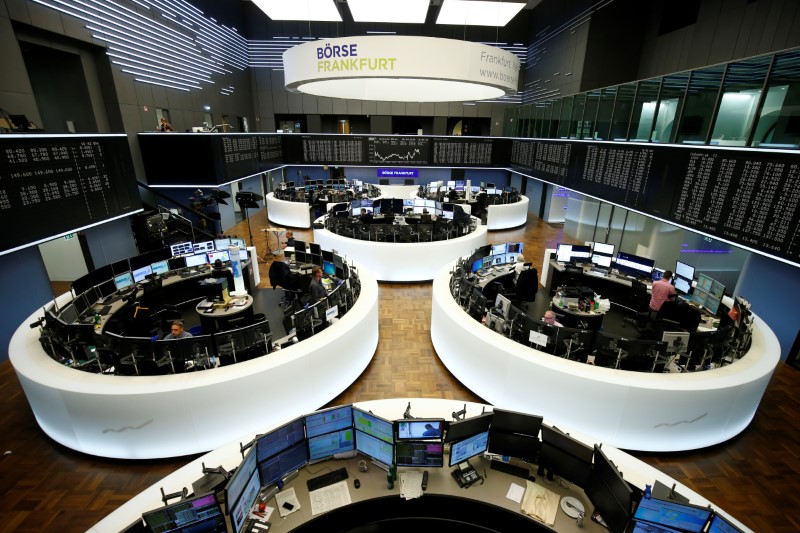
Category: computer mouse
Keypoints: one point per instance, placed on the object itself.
(356, 483)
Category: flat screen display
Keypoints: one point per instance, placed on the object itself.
(419, 453)
(462, 429)
(465, 449)
(514, 422)
(123, 281)
(276, 467)
(207, 246)
(603, 248)
(377, 449)
(373, 425)
(201, 513)
(634, 265)
(682, 286)
(160, 268)
(328, 268)
(221, 244)
(329, 444)
(141, 273)
(329, 420)
(601, 260)
(566, 253)
(499, 248)
(683, 270)
(415, 429)
(721, 525)
(681, 516)
(196, 260)
(181, 248)
(222, 255)
(279, 439)
(240, 481)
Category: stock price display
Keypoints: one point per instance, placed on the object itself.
(52, 185)
(398, 150)
(462, 152)
(336, 150)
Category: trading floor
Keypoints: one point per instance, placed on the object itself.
(46, 486)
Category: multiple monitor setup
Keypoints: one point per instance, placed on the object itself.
(455, 189)
(334, 189)
(492, 255)
(412, 209)
(502, 436)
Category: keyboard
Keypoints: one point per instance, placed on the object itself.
(325, 480)
(103, 310)
(518, 471)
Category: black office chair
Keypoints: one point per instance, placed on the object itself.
(525, 288)
(640, 304)
(684, 314)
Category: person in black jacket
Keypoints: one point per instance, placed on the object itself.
(316, 289)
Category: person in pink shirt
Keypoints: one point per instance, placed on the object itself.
(662, 291)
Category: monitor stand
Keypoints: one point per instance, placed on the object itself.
(663, 492)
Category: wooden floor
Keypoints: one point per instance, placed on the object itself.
(46, 487)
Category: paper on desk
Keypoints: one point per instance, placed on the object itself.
(540, 503)
(515, 492)
(287, 496)
(411, 485)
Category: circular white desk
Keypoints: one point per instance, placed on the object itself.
(401, 261)
(229, 457)
(145, 417)
(505, 216)
(292, 214)
(629, 410)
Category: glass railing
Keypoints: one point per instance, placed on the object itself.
(751, 102)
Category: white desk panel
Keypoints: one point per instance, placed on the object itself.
(629, 410)
(291, 214)
(144, 417)
(228, 456)
(401, 261)
(507, 216)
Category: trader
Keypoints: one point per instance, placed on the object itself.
(662, 291)
(365, 217)
(550, 318)
(316, 288)
(289, 242)
(519, 267)
(177, 332)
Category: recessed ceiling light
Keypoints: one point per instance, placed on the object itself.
(477, 12)
(393, 11)
(313, 10)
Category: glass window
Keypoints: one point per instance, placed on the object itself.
(741, 92)
(779, 120)
(644, 110)
(701, 98)
(547, 111)
(554, 119)
(509, 122)
(524, 121)
(566, 115)
(577, 116)
(604, 111)
(622, 112)
(590, 113)
(673, 92)
(537, 115)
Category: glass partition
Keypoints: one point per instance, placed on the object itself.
(604, 112)
(644, 110)
(778, 123)
(590, 114)
(701, 98)
(566, 116)
(741, 93)
(547, 113)
(673, 92)
(576, 123)
(622, 112)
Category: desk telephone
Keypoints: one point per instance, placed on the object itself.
(465, 475)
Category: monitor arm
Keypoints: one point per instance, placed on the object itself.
(184, 492)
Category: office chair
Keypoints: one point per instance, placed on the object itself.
(525, 288)
(640, 304)
(684, 314)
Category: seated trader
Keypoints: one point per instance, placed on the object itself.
(519, 267)
(365, 217)
(177, 332)
(289, 242)
(662, 291)
(550, 318)
(316, 288)
(425, 217)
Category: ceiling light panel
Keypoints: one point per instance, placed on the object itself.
(478, 12)
(390, 11)
(313, 10)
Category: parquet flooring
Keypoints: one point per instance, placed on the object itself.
(46, 487)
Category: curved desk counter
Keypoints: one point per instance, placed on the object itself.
(285, 213)
(629, 410)
(399, 261)
(374, 502)
(144, 417)
(506, 216)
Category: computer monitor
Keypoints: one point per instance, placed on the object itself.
(242, 490)
(107, 288)
(82, 284)
(199, 513)
(498, 249)
(523, 447)
(221, 244)
(465, 449)
(476, 265)
(501, 306)
(328, 268)
(514, 422)
(196, 260)
(603, 248)
(544, 336)
(377, 449)
(658, 273)
(222, 255)
(160, 268)
(566, 253)
(634, 265)
(683, 517)
(181, 248)
(420, 428)
(564, 456)
(273, 469)
(280, 438)
(371, 424)
(682, 285)
(120, 267)
(720, 524)
(683, 270)
(327, 445)
(610, 496)
(329, 420)
(601, 260)
(236, 241)
(141, 273)
(676, 341)
(123, 281)
(426, 454)
(205, 246)
(299, 246)
(468, 427)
